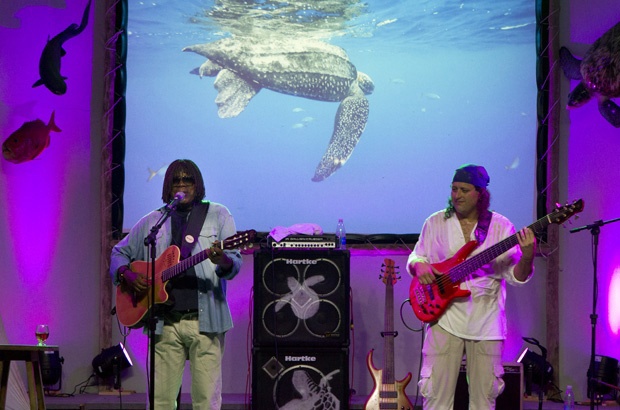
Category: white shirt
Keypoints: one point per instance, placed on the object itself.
(481, 316)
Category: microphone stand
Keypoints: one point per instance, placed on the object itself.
(595, 230)
(151, 242)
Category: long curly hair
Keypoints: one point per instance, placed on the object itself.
(484, 202)
(183, 166)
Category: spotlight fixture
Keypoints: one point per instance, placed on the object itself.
(111, 361)
(604, 379)
(537, 369)
(51, 369)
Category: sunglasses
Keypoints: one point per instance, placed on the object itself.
(183, 180)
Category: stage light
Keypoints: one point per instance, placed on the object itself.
(51, 369)
(604, 379)
(537, 370)
(111, 361)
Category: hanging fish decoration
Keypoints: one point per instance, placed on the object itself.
(49, 64)
(28, 141)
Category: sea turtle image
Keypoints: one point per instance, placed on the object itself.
(313, 396)
(305, 68)
(598, 73)
(303, 300)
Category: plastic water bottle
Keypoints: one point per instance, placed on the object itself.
(341, 235)
(569, 398)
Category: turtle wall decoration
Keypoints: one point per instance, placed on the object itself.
(598, 74)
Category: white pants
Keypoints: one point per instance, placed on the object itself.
(179, 342)
(442, 356)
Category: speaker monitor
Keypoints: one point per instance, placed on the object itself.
(301, 297)
(300, 378)
(510, 399)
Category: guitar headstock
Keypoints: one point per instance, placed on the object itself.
(240, 240)
(389, 275)
(562, 213)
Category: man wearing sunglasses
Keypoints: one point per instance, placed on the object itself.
(192, 323)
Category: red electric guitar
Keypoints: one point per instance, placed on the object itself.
(429, 302)
(132, 307)
(388, 393)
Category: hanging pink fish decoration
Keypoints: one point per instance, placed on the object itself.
(28, 141)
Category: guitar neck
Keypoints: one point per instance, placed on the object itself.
(184, 265)
(388, 336)
(461, 271)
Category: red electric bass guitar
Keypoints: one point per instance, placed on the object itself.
(429, 302)
(388, 393)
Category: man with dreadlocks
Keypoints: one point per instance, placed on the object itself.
(193, 325)
(475, 325)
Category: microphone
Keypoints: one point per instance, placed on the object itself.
(178, 197)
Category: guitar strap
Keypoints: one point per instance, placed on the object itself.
(194, 225)
(483, 226)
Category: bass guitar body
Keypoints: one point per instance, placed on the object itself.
(387, 396)
(430, 301)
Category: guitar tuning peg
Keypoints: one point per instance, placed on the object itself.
(570, 221)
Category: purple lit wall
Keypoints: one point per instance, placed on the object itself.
(614, 303)
(50, 218)
(591, 148)
(49, 207)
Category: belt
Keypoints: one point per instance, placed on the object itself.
(178, 315)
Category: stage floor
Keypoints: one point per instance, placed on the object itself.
(231, 402)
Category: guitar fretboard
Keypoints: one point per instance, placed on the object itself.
(388, 336)
(184, 265)
(460, 272)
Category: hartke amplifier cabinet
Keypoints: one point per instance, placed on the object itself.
(510, 399)
(300, 378)
(301, 298)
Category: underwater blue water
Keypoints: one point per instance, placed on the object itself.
(454, 84)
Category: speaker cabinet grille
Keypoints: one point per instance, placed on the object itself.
(300, 378)
(301, 298)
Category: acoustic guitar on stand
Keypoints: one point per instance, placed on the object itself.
(430, 301)
(388, 393)
(132, 307)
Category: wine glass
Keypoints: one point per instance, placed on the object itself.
(42, 333)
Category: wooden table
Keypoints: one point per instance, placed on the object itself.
(29, 354)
